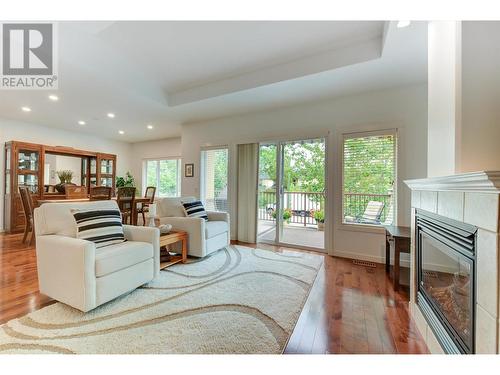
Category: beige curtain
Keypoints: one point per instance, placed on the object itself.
(247, 192)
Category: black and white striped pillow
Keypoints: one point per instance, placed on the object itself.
(103, 227)
(195, 209)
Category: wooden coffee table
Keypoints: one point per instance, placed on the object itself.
(170, 238)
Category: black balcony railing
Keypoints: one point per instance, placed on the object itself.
(299, 203)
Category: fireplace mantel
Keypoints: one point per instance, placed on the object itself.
(473, 199)
(479, 182)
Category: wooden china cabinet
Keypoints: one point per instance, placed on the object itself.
(25, 166)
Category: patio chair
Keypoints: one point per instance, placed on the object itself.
(372, 214)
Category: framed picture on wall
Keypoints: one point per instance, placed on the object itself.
(188, 170)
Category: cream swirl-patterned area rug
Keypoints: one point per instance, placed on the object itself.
(238, 300)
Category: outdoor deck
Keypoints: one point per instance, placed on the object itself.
(293, 234)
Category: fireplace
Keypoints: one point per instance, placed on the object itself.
(446, 279)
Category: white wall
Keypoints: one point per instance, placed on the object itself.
(464, 87)
(22, 131)
(403, 108)
(480, 127)
(50, 170)
(444, 80)
(164, 148)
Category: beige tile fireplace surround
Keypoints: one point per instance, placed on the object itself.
(471, 198)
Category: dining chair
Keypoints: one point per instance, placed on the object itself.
(28, 207)
(100, 193)
(75, 192)
(150, 193)
(126, 202)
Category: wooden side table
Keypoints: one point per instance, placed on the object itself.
(400, 236)
(169, 239)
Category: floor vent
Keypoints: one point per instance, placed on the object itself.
(364, 263)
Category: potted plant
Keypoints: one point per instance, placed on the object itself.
(65, 178)
(127, 181)
(287, 215)
(319, 216)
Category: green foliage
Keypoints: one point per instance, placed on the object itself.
(304, 167)
(318, 215)
(127, 181)
(151, 173)
(267, 162)
(168, 176)
(220, 171)
(65, 176)
(369, 168)
(303, 171)
(266, 198)
(369, 165)
(287, 214)
(169, 173)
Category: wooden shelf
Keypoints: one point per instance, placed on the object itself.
(174, 259)
(14, 216)
(27, 172)
(169, 239)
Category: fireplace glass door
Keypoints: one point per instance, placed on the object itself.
(446, 278)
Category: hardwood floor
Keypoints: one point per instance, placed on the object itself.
(18, 279)
(351, 308)
(354, 309)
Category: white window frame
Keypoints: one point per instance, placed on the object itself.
(202, 171)
(364, 134)
(145, 174)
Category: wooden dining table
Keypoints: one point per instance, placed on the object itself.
(76, 200)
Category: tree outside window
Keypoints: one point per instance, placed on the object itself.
(368, 176)
(165, 176)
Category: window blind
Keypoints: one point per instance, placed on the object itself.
(214, 179)
(368, 176)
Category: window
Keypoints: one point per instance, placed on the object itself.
(214, 178)
(165, 175)
(369, 172)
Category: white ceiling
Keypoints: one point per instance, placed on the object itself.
(175, 72)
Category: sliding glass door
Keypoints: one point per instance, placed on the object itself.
(291, 189)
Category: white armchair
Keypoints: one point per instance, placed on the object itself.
(205, 237)
(75, 272)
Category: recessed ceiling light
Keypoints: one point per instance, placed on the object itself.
(54, 98)
(121, 132)
(26, 109)
(111, 115)
(150, 127)
(402, 24)
(81, 122)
